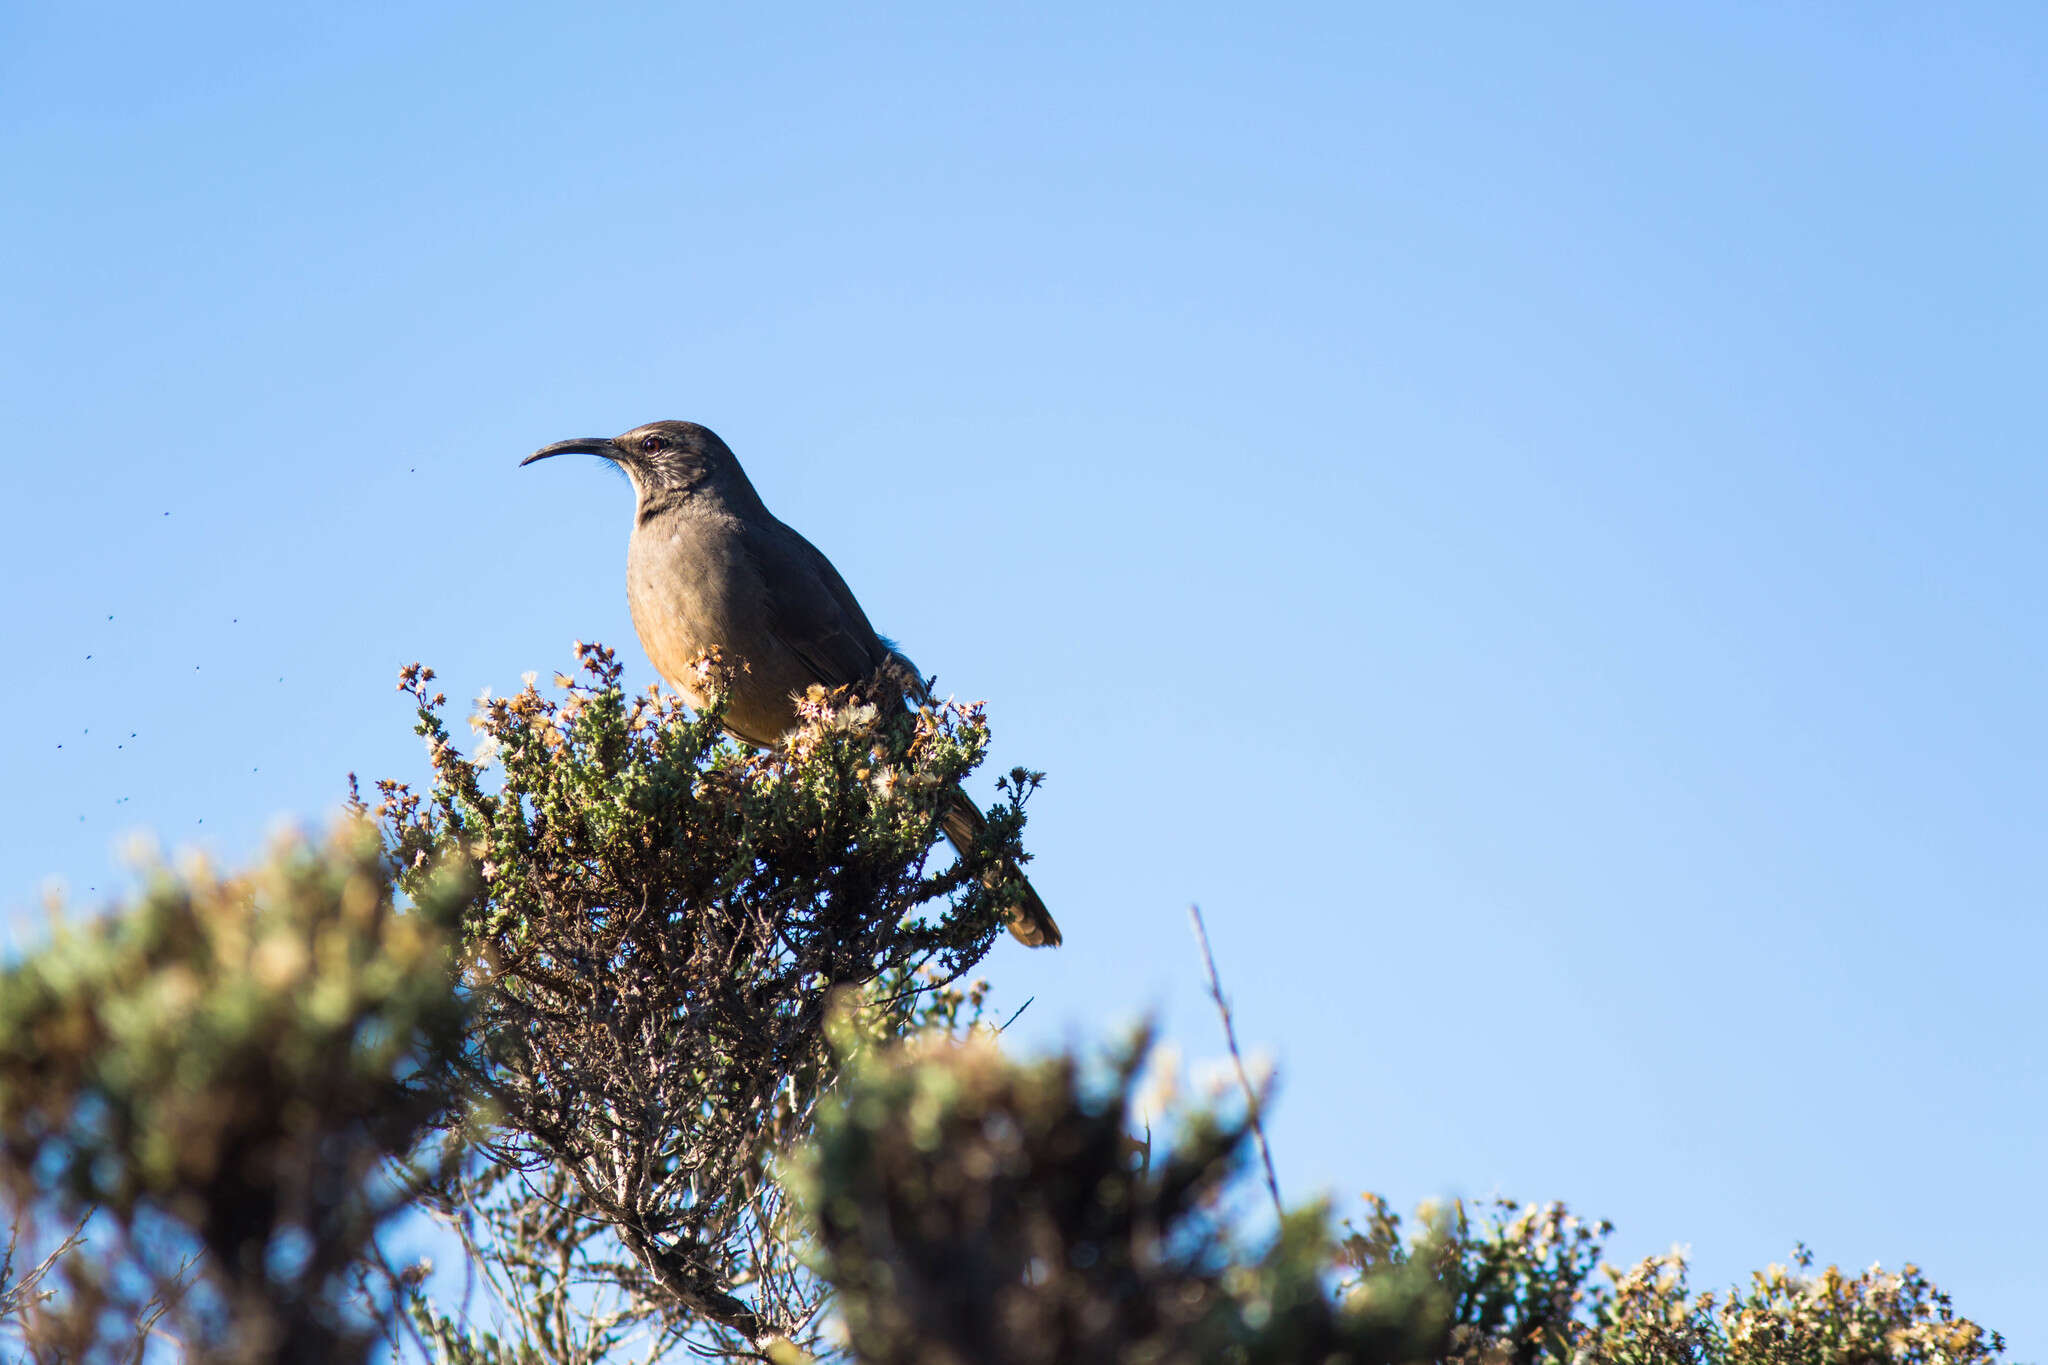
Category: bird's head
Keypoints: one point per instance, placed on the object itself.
(665, 460)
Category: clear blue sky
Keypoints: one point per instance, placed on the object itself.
(1535, 522)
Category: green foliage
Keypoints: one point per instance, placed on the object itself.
(219, 1071)
(1785, 1316)
(971, 1209)
(1527, 1285)
(1517, 1282)
(622, 804)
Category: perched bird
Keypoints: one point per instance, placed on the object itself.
(710, 567)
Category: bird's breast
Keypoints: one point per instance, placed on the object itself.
(691, 590)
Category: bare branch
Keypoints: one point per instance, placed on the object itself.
(1251, 1096)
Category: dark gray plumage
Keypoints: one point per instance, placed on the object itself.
(710, 567)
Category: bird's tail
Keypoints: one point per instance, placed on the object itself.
(1030, 922)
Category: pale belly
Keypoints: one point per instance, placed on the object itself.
(719, 608)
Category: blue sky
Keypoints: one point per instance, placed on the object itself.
(1535, 522)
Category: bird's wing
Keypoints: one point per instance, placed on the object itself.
(811, 611)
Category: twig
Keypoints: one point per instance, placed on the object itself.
(1251, 1098)
(27, 1292)
(154, 1310)
(1018, 1015)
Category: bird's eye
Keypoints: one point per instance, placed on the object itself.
(653, 445)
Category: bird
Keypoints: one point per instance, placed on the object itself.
(709, 567)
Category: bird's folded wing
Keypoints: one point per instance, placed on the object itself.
(811, 611)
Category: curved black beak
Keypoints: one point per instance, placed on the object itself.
(582, 445)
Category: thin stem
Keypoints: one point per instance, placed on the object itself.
(1251, 1097)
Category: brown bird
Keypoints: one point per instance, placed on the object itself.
(710, 567)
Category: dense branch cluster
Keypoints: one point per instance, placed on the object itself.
(666, 917)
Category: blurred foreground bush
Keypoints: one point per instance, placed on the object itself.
(219, 1077)
(667, 1033)
(970, 1209)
